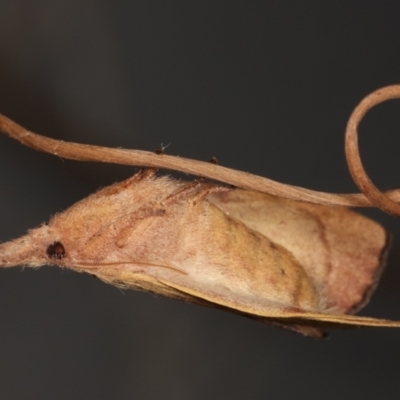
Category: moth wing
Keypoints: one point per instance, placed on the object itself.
(275, 313)
(188, 288)
(342, 251)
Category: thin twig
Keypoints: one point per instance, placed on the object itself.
(373, 196)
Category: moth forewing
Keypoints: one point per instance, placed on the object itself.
(341, 251)
(191, 242)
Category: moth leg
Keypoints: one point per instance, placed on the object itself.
(143, 174)
(186, 189)
(196, 186)
(204, 192)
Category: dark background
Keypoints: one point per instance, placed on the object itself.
(265, 86)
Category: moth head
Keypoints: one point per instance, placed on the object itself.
(37, 248)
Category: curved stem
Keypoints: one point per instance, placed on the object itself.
(360, 177)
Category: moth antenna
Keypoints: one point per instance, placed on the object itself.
(96, 265)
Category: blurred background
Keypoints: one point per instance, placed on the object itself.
(266, 87)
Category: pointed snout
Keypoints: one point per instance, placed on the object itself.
(26, 250)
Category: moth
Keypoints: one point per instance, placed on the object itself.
(301, 266)
(289, 263)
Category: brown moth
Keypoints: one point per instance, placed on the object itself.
(160, 235)
(296, 265)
